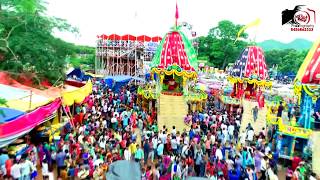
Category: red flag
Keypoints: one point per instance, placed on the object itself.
(177, 12)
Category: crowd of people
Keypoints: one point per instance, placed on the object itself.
(112, 126)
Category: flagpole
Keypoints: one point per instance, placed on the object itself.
(176, 16)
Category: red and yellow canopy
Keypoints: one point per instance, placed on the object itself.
(175, 54)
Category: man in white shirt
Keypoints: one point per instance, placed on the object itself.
(186, 140)
(250, 135)
(219, 154)
(93, 109)
(173, 131)
(26, 168)
(230, 130)
(116, 114)
(174, 145)
(184, 151)
(212, 139)
(104, 123)
(263, 167)
(105, 108)
(223, 126)
(80, 138)
(16, 170)
(243, 138)
(97, 162)
(163, 137)
(84, 109)
(214, 117)
(127, 154)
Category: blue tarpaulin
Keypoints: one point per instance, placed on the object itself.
(81, 76)
(7, 114)
(116, 82)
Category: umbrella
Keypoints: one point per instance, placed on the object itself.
(124, 170)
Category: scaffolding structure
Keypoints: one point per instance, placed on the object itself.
(124, 55)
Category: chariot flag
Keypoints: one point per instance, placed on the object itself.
(177, 13)
(252, 24)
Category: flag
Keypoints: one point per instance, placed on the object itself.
(177, 13)
(254, 23)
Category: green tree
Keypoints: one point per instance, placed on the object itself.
(288, 60)
(27, 43)
(82, 57)
(220, 46)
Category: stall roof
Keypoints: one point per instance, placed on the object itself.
(21, 99)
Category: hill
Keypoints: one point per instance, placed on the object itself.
(297, 44)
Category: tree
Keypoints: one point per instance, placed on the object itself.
(220, 46)
(288, 60)
(27, 43)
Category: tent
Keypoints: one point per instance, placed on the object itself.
(116, 82)
(21, 99)
(14, 129)
(124, 170)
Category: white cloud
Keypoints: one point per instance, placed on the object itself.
(155, 17)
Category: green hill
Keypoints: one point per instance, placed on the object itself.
(298, 44)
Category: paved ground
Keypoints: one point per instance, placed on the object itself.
(172, 111)
(247, 116)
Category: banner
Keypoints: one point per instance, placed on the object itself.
(78, 95)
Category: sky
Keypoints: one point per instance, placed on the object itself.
(155, 17)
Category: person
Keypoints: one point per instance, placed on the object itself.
(263, 168)
(295, 161)
(313, 176)
(289, 173)
(16, 170)
(146, 150)
(270, 173)
(173, 131)
(139, 154)
(127, 154)
(174, 145)
(290, 110)
(160, 149)
(176, 170)
(27, 168)
(280, 109)
(255, 113)
(3, 158)
(317, 119)
(45, 169)
(60, 160)
(250, 136)
(83, 173)
(198, 159)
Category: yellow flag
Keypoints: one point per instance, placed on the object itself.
(253, 23)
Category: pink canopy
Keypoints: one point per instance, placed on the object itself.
(27, 122)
